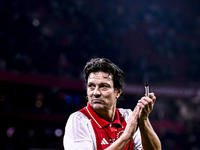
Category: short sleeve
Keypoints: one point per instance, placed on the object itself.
(79, 133)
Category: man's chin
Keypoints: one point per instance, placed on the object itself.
(98, 106)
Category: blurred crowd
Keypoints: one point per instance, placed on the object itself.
(153, 40)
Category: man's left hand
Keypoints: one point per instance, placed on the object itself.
(146, 106)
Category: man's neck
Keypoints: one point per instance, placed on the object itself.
(108, 115)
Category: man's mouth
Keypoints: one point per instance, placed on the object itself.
(97, 100)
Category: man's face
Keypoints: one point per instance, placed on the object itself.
(100, 91)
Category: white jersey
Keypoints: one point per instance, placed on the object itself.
(79, 133)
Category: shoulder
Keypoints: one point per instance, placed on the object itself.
(125, 112)
(78, 126)
(78, 115)
(79, 133)
(77, 118)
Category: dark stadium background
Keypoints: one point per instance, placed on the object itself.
(44, 45)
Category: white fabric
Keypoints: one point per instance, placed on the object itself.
(79, 133)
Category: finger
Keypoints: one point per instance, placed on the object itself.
(146, 103)
(134, 116)
(136, 111)
(141, 105)
(152, 96)
(145, 100)
(150, 99)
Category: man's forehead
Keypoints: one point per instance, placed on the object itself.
(100, 75)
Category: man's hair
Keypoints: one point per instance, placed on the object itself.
(105, 65)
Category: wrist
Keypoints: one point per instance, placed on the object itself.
(125, 137)
(142, 122)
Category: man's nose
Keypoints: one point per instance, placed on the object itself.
(96, 92)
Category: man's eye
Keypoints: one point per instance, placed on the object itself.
(104, 86)
(90, 85)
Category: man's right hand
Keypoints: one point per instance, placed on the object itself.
(132, 123)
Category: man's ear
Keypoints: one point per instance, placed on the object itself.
(119, 92)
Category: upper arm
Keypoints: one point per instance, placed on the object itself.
(78, 136)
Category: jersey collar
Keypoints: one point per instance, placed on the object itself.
(100, 121)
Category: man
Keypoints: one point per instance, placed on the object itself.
(100, 125)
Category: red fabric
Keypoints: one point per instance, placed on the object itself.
(106, 132)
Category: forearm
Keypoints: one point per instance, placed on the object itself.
(150, 140)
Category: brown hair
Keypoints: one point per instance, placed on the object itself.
(105, 65)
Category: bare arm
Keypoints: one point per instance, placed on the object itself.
(150, 140)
